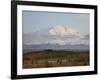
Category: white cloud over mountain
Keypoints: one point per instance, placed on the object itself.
(61, 35)
(63, 31)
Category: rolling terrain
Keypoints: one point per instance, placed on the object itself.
(55, 58)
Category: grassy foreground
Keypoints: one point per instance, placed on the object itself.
(53, 58)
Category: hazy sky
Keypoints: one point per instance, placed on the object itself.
(55, 28)
(37, 21)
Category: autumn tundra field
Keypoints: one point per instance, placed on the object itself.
(55, 58)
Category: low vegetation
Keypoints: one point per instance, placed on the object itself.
(55, 58)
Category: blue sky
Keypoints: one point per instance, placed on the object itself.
(38, 21)
(55, 28)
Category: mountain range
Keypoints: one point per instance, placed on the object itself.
(79, 47)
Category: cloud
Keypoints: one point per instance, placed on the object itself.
(63, 31)
(85, 37)
(59, 41)
(57, 35)
(44, 39)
